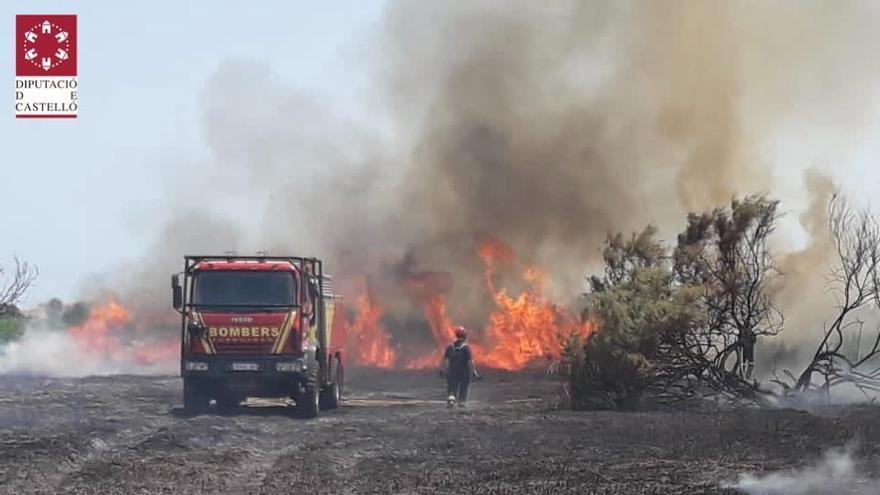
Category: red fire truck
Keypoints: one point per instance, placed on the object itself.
(259, 326)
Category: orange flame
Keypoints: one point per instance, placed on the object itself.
(369, 343)
(441, 329)
(492, 251)
(520, 330)
(106, 332)
(429, 290)
(438, 318)
(96, 332)
(157, 352)
(426, 361)
(523, 328)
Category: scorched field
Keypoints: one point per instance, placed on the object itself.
(128, 434)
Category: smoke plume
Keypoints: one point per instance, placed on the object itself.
(60, 354)
(545, 126)
(549, 126)
(802, 292)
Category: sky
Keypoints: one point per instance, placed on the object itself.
(81, 196)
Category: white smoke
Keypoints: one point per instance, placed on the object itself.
(836, 473)
(58, 354)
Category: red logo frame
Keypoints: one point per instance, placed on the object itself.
(45, 45)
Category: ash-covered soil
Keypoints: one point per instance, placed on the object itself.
(126, 434)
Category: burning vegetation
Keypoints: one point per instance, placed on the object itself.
(110, 332)
(547, 128)
(527, 327)
(369, 343)
(99, 338)
(671, 323)
(520, 329)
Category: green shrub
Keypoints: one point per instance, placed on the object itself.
(11, 329)
(674, 320)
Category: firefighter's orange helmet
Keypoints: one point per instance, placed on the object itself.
(461, 332)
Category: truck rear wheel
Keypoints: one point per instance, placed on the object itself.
(309, 399)
(331, 396)
(195, 398)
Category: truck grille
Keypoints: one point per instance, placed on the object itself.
(243, 347)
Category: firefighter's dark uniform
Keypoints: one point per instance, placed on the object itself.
(458, 374)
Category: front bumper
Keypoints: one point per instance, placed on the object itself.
(244, 367)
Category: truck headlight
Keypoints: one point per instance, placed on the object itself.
(290, 366)
(196, 366)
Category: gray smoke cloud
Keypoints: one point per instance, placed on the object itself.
(837, 473)
(546, 126)
(802, 292)
(550, 126)
(57, 353)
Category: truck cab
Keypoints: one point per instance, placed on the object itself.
(258, 326)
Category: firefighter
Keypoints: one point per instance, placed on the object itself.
(747, 340)
(458, 368)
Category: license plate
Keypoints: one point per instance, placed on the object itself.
(245, 367)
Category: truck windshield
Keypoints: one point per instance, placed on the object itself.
(241, 288)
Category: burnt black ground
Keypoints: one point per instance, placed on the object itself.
(126, 434)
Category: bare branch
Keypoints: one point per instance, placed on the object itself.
(15, 283)
(856, 281)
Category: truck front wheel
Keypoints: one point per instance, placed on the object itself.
(195, 398)
(331, 396)
(309, 399)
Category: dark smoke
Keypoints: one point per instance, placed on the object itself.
(544, 125)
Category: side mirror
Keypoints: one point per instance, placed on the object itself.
(176, 293)
(308, 307)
